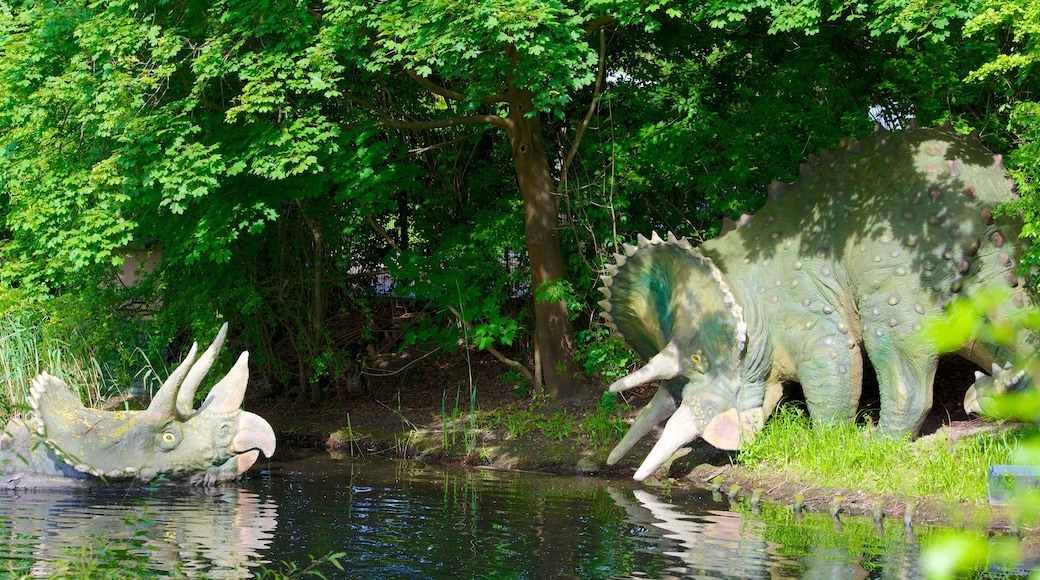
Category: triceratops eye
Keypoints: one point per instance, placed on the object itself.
(169, 438)
(700, 362)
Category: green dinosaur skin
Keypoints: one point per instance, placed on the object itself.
(852, 257)
(64, 443)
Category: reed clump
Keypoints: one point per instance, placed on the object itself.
(25, 353)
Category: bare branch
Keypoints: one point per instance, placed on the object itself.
(379, 230)
(561, 186)
(386, 119)
(450, 94)
(494, 120)
(599, 24)
(494, 352)
(491, 99)
(210, 105)
(369, 371)
(421, 150)
(435, 88)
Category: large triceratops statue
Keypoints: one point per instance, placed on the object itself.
(65, 443)
(870, 240)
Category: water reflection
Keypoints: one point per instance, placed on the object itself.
(222, 532)
(409, 520)
(777, 544)
(713, 544)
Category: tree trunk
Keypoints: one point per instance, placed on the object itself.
(317, 326)
(555, 342)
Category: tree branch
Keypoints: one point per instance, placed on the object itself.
(494, 120)
(588, 114)
(382, 232)
(450, 94)
(421, 150)
(599, 24)
(386, 119)
(494, 352)
(435, 88)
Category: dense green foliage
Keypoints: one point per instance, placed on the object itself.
(291, 158)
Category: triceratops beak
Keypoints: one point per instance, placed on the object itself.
(254, 435)
(243, 461)
(971, 400)
(726, 430)
(731, 429)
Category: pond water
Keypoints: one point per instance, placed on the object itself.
(409, 520)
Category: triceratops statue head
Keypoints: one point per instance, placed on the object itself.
(673, 307)
(171, 438)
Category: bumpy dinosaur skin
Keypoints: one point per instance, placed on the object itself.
(65, 443)
(854, 255)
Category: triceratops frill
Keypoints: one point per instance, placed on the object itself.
(65, 443)
(849, 260)
(691, 338)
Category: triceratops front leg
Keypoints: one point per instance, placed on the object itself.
(906, 366)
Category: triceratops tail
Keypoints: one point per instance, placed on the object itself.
(661, 406)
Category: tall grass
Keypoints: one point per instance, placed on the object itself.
(853, 457)
(24, 353)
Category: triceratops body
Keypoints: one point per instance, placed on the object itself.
(66, 443)
(854, 255)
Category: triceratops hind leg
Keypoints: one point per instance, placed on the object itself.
(905, 368)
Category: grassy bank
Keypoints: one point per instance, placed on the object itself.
(855, 457)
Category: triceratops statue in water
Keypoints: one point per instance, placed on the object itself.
(870, 240)
(65, 443)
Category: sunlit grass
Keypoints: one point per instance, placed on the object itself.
(601, 425)
(854, 457)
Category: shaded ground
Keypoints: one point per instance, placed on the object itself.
(399, 413)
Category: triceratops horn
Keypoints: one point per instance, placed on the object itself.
(682, 428)
(226, 396)
(664, 365)
(186, 394)
(164, 402)
(662, 405)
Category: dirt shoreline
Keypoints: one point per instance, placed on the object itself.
(700, 466)
(407, 423)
